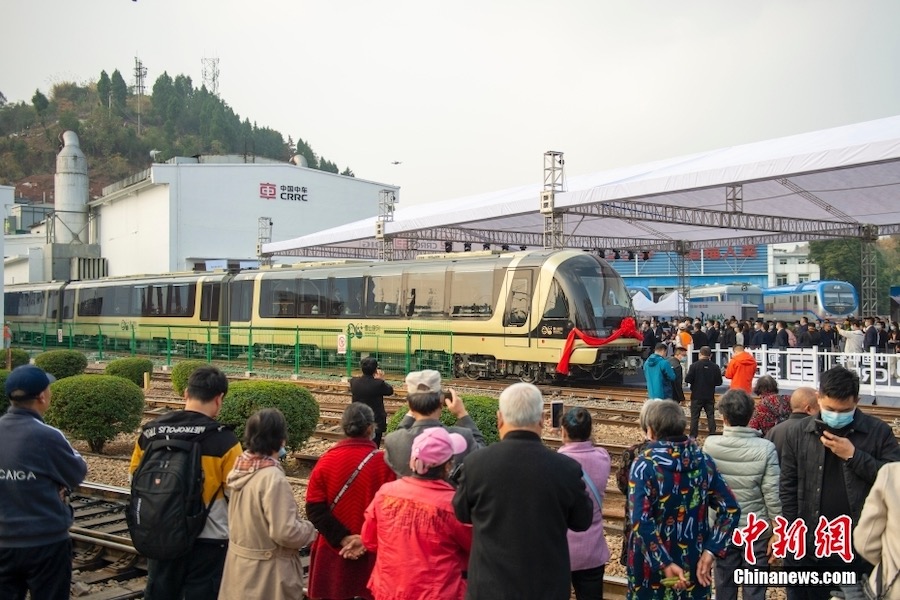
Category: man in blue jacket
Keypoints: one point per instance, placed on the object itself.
(38, 469)
(659, 374)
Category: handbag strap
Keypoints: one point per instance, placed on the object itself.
(590, 484)
(352, 477)
(890, 585)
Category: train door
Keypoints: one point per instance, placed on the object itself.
(518, 318)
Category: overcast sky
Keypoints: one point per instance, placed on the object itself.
(469, 94)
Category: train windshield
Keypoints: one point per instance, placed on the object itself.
(596, 291)
(841, 299)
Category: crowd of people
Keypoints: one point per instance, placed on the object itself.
(850, 336)
(440, 514)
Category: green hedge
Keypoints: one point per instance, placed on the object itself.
(301, 411)
(4, 401)
(132, 369)
(95, 408)
(62, 363)
(181, 372)
(482, 409)
(19, 357)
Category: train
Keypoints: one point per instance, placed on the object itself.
(508, 314)
(743, 300)
(815, 300)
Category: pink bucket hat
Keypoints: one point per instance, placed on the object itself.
(433, 447)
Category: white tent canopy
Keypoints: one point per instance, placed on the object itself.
(832, 183)
(668, 306)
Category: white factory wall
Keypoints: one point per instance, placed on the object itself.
(134, 233)
(218, 207)
(196, 212)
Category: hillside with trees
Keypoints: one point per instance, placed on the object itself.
(118, 130)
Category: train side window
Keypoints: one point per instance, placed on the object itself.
(209, 301)
(278, 298)
(182, 297)
(518, 302)
(384, 298)
(557, 304)
(425, 298)
(346, 296)
(472, 293)
(241, 301)
(68, 306)
(311, 300)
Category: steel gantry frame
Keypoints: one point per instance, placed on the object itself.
(868, 236)
(387, 204)
(554, 182)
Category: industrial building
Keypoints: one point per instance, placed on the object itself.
(187, 214)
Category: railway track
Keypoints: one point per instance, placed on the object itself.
(104, 557)
(105, 565)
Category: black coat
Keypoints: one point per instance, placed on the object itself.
(802, 468)
(371, 392)
(703, 376)
(521, 499)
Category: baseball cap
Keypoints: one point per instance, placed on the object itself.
(420, 382)
(27, 381)
(433, 447)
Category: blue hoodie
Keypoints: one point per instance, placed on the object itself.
(659, 375)
(36, 462)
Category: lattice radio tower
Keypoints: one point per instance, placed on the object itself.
(140, 76)
(211, 75)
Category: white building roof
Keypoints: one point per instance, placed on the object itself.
(817, 185)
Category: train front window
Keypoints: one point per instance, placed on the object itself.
(596, 292)
(557, 304)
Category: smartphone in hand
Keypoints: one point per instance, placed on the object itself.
(556, 413)
(821, 427)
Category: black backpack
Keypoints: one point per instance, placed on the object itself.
(166, 513)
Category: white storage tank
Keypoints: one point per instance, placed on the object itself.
(71, 192)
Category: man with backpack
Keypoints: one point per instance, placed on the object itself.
(183, 527)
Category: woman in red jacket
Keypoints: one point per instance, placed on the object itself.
(341, 486)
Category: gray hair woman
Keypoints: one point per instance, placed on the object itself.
(672, 486)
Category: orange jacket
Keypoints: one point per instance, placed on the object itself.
(741, 370)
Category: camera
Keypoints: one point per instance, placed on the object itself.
(447, 396)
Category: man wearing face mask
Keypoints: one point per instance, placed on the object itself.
(829, 467)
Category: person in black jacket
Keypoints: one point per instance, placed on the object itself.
(828, 468)
(38, 469)
(370, 389)
(677, 360)
(703, 376)
(521, 498)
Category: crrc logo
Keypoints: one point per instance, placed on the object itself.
(267, 191)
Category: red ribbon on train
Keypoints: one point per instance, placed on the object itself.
(628, 329)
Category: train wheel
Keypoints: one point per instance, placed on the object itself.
(532, 375)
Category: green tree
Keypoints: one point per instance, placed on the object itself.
(2, 99)
(328, 166)
(103, 88)
(40, 102)
(119, 89)
(68, 120)
(306, 151)
(842, 260)
(347, 172)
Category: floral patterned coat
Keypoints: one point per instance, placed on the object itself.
(771, 410)
(672, 486)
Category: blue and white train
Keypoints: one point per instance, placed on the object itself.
(815, 300)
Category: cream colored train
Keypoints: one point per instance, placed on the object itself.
(488, 314)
